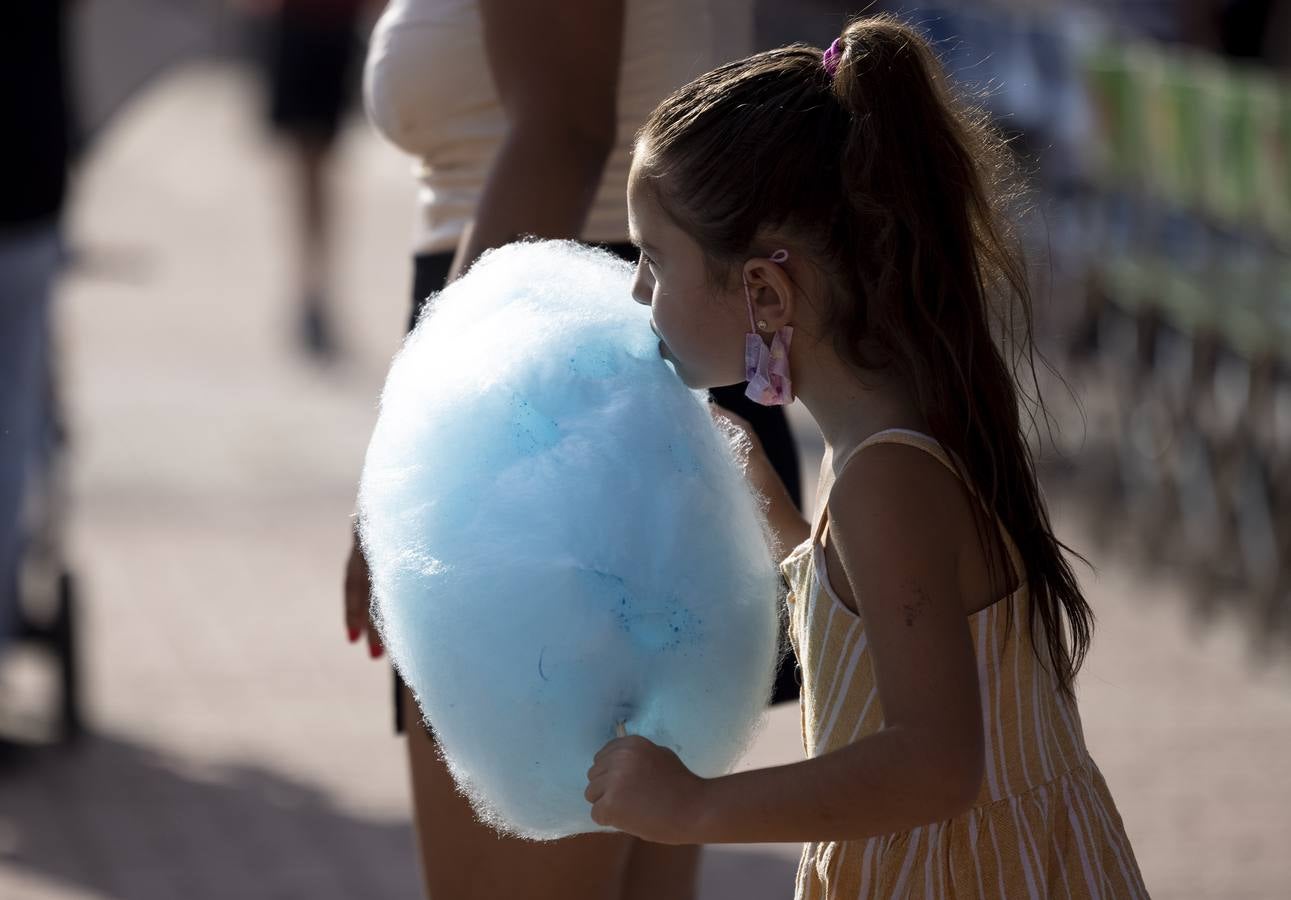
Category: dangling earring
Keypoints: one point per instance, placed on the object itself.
(767, 368)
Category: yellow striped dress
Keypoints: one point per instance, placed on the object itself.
(1044, 824)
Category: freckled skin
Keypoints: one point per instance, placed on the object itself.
(913, 610)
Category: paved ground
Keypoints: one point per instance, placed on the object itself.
(240, 748)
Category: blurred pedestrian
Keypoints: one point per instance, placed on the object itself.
(311, 55)
(34, 157)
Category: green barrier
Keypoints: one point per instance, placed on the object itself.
(1252, 300)
(1195, 131)
(1183, 154)
(1271, 112)
(1136, 284)
(1186, 302)
(1241, 301)
(1279, 317)
(1229, 135)
(1117, 154)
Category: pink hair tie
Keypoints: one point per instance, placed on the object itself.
(831, 57)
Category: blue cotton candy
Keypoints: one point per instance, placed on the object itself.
(561, 540)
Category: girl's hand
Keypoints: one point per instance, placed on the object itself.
(643, 789)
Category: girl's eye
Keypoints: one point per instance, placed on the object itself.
(645, 259)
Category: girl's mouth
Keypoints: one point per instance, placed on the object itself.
(663, 347)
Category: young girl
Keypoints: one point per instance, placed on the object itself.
(844, 211)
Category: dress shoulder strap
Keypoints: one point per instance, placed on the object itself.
(933, 447)
(917, 439)
(906, 436)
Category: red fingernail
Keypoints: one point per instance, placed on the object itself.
(354, 634)
(374, 650)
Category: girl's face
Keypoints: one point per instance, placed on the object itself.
(701, 328)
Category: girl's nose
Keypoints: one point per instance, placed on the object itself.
(642, 289)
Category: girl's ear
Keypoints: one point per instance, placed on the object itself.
(771, 292)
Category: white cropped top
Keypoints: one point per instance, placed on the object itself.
(427, 90)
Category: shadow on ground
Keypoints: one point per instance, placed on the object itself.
(112, 818)
(120, 820)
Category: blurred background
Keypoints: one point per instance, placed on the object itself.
(211, 305)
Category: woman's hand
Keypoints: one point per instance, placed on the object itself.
(645, 790)
(358, 599)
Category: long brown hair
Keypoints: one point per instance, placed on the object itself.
(901, 192)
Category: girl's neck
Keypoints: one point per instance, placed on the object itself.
(849, 407)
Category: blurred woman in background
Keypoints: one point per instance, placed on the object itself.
(521, 119)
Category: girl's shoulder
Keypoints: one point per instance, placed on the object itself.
(904, 487)
(898, 511)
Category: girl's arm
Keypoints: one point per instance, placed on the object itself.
(900, 522)
(556, 69)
